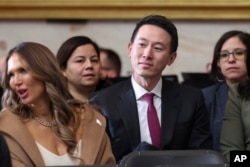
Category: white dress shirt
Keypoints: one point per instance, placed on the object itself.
(142, 107)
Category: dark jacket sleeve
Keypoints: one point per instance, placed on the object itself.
(4, 153)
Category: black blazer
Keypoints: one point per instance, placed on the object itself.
(184, 122)
(5, 160)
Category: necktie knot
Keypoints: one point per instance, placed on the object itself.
(148, 97)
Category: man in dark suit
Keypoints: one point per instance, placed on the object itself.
(181, 110)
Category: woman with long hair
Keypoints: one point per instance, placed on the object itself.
(228, 67)
(42, 125)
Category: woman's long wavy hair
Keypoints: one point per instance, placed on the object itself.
(44, 67)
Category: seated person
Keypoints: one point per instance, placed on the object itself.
(146, 112)
(235, 133)
(42, 125)
(228, 67)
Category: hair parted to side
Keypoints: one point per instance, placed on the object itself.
(244, 38)
(44, 67)
(70, 45)
(162, 22)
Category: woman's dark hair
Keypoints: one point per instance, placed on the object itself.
(244, 38)
(244, 87)
(70, 45)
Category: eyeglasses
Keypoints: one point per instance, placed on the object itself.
(238, 54)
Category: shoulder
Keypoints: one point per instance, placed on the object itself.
(219, 89)
(99, 119)
(171, 86)
(6, 116)
(185, 94)
(11, 123)
(117, 88)
(211, 89)
(5, 112)
(93, 117)
(220, 86)
(119, 85)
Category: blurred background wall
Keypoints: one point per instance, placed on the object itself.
(110, 23)
(196, 38)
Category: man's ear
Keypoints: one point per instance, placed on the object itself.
(173, 56)
(129, 48)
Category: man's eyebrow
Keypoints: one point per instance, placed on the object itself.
(154, 43)
(142, 38)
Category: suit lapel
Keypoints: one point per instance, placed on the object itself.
(170, 108)
(129, 113)
(92, 136)
(221, 98)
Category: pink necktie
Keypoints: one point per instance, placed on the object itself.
(153, 122)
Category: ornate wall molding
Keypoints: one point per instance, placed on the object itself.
(125, 9)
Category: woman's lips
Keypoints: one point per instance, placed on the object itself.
(232, 68)
(23, 93)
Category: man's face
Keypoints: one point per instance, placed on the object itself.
(150, 52)
(107, 68)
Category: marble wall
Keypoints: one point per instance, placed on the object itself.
(196, 38)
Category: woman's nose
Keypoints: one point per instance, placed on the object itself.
(231, 57)
(17, 79)
(89, 64)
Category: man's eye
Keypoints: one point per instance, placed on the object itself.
(142, 44)
(158, 49)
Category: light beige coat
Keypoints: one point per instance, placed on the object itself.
(96, 148)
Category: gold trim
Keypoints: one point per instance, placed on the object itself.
(124, 9)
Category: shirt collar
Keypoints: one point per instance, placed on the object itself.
(140, 91)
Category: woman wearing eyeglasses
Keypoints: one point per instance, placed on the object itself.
(228, 67)
(235, 133)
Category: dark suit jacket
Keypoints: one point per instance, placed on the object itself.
(4, 153)
(216, 97)
(185, 121)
